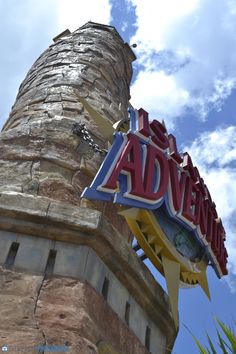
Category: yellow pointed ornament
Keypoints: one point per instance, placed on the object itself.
(176, 268)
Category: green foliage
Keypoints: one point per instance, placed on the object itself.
(226, 341)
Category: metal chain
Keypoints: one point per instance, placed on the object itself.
(81, 130)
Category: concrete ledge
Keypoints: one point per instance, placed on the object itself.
(39, 216)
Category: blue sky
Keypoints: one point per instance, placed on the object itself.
(185, 73)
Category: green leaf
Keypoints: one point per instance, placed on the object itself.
(229, 334)
(226, 340)
(221, 343)
(211, 345)
(200, 347)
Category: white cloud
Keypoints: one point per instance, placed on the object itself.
(73, 13)
(218, 146)
(215, 155)
(193, 44)
(158, 93)
(26, 30)
(155, 19)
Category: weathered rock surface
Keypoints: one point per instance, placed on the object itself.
(38, 150)
(36, 311)
(19, 294)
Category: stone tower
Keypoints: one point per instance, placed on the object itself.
(69, 276)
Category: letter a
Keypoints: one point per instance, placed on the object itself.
(130, 162)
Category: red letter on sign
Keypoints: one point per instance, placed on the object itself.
(160, 139)
(190, 201)
(177, 184)
(173, 149)
(188, 166)
(129, 161)
(143, 123)
(223, 261)
(202, 208)
(155, 156)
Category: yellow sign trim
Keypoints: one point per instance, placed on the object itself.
(170, 263)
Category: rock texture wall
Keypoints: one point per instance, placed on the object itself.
(39, 153)
(67, 313)
(88, 273)
(43, 169)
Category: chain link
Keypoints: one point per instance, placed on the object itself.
(81, 130)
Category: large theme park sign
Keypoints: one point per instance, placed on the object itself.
(165, 202)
